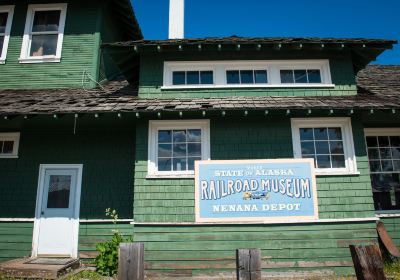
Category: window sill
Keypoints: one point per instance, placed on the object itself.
(170, 176)
(2, 61)
(248, 86)
(31, 60)
(337, 173)
(8, 157)
(387, 213)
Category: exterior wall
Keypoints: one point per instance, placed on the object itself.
(88, 23)
(105, 148)
(15, 240)
(151, 74)
(199, 249)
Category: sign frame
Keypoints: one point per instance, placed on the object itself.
(265, 220)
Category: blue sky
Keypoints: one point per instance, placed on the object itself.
(277, 18)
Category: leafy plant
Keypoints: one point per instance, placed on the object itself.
(107, 260)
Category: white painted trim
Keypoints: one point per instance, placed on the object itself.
(12, 136)
(348, 142)
(26, 42)
(10, 10)
(16, 220)
(395, 131)
(39, 200)
(88, 221)
(154, 126)
(273, 67)
(395, 214)
(370, 219)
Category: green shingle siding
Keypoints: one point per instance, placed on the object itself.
(15, 240)
(152, 69)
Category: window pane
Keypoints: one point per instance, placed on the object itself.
(3, 22)
(314, 76)
(323, 162)
(8, 147)
(261, 76)
(338, 161)
(322, 147)
(307, 148)
(287, 77)
(306, 134)
(164, 136)
(179, 150)
(395, 141)
(179, 164)
(246, 77)
(335, 133)
(373, 153)
(46, 21)
(375, 165)
(178, 78)
(321, 133)
(194, 150)
(386, 191)
(1, 44)
(396, 153)
(387, 165)
(194, 135)
(300, 76)
(193, 77)
(191, 162)
(396, 165)
(59, 189)
(232, 77)
(383, 141)
(44, 45)
(164, 164)
(179, 136)
(385, 153)
(372, 141)
(336, 147)
(165, 150)
(206, 77)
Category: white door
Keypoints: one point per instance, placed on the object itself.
(57, 211)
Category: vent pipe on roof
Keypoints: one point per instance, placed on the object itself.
(176, 19)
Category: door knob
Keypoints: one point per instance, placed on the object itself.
(42, 213)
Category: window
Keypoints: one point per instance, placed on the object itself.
(247, 73)
(6, 16)
(44, 32)
(383, 147)
(301, 76)
(246, 77)
(9, 143)
(175, 146)
(329, 141)
(192, 78)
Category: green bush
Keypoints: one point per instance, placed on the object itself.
(107, 260)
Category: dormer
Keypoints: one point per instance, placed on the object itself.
(57, 44)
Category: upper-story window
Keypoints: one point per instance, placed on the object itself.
(250, 73)
(9, 143)
(6, 15)
(44, 32)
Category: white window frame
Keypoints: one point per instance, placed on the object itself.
(27, 38)
(394, 131)
(348, 142)
(155, 126)
(273, 68)
(10, 10)
(14, 136)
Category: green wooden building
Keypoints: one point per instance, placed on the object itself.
(93, 117)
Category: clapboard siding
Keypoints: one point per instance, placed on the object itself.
(15, 240)
(85, 24)
(151, 75)
(172, 200)
(392, 226)
(205, 249)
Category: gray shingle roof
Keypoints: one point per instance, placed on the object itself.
(379, 88)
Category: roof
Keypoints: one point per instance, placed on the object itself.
(379, 88)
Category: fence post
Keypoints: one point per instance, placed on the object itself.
(131, 261)
(368, 262)
(248, 264)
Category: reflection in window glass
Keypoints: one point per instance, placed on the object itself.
(261, 76)
(6, 147)
(384, 164)
(3, 24)
(59, 190)
(178, 149)
(179, 78)
(232, 77)
(247, 77)
(44, 33)
(301, 76)
(192, 78)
